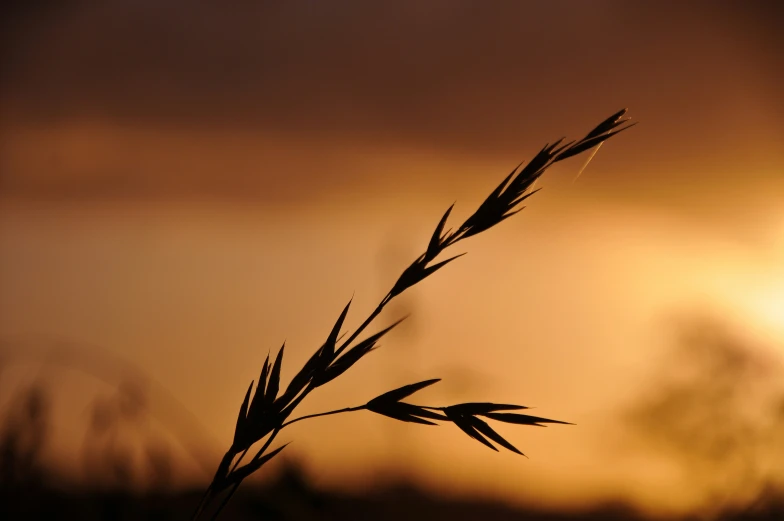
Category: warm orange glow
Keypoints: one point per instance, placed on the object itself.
(181, 213)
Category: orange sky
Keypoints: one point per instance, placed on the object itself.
(186, 188)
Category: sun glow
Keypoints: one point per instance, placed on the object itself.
(768, 306)
(758, 301)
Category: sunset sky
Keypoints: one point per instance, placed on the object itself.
(185, 186)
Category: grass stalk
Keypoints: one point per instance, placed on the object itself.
(265, 412)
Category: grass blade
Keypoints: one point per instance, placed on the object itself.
(332, 340)
(274, 379)
(488, 431)
(242, 417)
(257, 402)
(434, 246)
(246, 470)
(474, 408)
(465, 425)
(521, 419)
(401, 392)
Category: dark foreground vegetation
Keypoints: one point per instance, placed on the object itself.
(289, 497)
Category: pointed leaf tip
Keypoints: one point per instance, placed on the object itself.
(274, 379)
(435, 267)
(483, 408)
(522, 419)
(332, 339)
(401, 392)
(242, 417)
(258, 397)
(606, 125)
(434, 247)
(464, 425)
(488, 431)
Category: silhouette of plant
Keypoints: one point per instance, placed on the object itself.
(265, 412)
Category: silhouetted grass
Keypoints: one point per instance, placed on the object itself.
(265, 412)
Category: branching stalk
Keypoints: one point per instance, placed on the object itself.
(266, 412)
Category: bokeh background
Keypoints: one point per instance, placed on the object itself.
(185, 185)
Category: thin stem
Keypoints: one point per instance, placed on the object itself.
(386, 300)
(237, 463)
(202, 503)
(226, 500)
(459, 235)
(267, 443)
(209, 494)
(337, 411)
(293, 405)
(239, 481)
(453, 239)
(497, 207)
(365, 324)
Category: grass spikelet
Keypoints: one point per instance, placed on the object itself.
(262, 417)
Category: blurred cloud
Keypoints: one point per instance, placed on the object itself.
(116, 80)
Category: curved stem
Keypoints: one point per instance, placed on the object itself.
(336, 411)
(376, 312)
